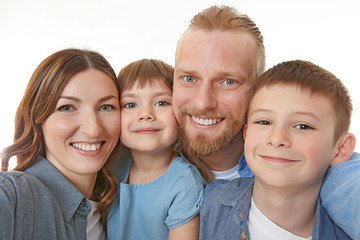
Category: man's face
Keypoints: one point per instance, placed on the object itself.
(212, 72)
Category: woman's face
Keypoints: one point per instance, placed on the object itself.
(85, 127)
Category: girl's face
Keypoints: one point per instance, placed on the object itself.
(147, 118)
(85, 127)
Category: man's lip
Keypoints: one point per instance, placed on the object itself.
(206, 121)
(278, 159)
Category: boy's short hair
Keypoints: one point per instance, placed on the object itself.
(317, 80)
(143, 72)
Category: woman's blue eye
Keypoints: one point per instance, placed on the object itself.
(189, 79)
(107, 107)
(66, 108)
(162, 103)
(130, 105)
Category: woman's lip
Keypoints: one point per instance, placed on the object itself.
(278, 159)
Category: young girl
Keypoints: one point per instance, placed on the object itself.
(66, 128)
(160, 193)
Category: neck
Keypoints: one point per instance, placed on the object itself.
(147, 167)
(85, 184)
(290, 208)
(229, 157)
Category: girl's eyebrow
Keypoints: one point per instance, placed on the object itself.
(156, 94)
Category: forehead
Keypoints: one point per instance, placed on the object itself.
(292, 98)
(217, 51)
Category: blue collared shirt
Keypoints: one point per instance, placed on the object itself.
(225, 211)
(41, 203)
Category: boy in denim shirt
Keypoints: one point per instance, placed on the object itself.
(298, 119)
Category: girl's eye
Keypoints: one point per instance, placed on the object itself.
(263, 122)
(66, 108)
(303, 126)
(162, 103)
(189, 79)
(130, 105)
(107, 108)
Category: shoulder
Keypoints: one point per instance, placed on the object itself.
(183, 170)
(227, 191)
(17, 178)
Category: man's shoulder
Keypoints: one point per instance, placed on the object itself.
(227, 190)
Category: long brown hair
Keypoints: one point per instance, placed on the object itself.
(38, 103)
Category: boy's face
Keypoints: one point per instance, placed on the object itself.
(147, 119)
(289, 137)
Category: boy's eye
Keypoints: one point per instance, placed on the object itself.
(189, 79)
(130, 105)
(303, 126)
(162, 104)
(66, 108)
(107, 108)
(263, 122)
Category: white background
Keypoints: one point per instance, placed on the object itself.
(325, 32)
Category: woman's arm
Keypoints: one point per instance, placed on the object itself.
(188, 231)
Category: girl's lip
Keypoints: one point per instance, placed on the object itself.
(146, 130)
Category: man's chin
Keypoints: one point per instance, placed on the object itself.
(202, 146)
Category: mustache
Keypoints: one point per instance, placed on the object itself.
(208, 114)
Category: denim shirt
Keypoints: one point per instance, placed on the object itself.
(225, 211)
(41, 203)
(339, 194)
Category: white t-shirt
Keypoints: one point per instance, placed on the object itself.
(228, 174)
(262, 228)
(94, 230)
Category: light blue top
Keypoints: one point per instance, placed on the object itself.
(148, 211)
(41, 203)
(340, 193)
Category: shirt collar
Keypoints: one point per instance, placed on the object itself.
(68, 196)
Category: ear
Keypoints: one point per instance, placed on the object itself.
(345, 148)
(244, 131)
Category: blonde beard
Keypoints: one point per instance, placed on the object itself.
(200, 145)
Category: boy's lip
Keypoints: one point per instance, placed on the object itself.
(278, 159)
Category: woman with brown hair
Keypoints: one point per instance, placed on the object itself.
(67, 128)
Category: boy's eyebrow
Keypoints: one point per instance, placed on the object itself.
(310, 114)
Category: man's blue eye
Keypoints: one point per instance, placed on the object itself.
(189, 79)
(229, 82)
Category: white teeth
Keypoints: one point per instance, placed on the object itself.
(205, 122)
(86, 147)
